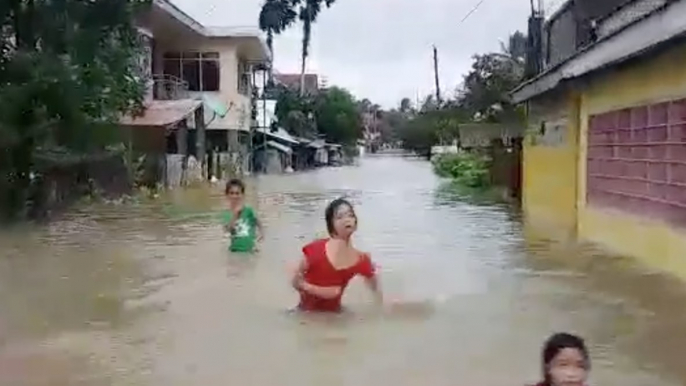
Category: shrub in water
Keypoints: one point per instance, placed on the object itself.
(468, 169)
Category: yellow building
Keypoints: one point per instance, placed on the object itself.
(605, 157)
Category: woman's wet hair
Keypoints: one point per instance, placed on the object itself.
(330, 213)
(234, 183)
(557, 343)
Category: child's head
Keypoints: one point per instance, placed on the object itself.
(341, 220)
(235, 189)
(565, 361)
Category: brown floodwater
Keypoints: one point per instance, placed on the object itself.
(145, 293)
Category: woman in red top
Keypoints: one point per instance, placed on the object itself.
(329, 264)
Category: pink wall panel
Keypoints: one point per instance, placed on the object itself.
(636, 160)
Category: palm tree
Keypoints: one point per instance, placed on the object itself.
(308, 14)
(275, 17)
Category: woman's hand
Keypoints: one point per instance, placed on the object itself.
(322, 292)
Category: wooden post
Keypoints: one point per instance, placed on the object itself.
(200, 142)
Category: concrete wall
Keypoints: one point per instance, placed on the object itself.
(659, 244)
(549, 177)
(555, 163)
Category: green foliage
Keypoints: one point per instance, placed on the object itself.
(337, 116)
(468, 169)
(332, 113)
(431, 127)
(295, 113)
(483, 97)
(68, 70)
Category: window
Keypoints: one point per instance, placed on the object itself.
(199, 70)
(637, 160)
(244, 78)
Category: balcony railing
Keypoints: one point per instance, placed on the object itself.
(169, 87)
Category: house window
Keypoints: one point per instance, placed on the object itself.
(637, 160)
(199, 69)
(244, 78)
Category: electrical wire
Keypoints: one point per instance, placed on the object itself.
(476, 7)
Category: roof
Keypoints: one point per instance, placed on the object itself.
(280, 147)
(292, 81)
(213, 32)
(634, 40)
(163, 113)
(317, 144)
(279, 134)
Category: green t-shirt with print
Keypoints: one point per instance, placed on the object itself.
(244, 230)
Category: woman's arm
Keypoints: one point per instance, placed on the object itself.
(299, 284)
(375, 287)
(298, 279)
(260, 229)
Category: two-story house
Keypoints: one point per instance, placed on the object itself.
(194, 68)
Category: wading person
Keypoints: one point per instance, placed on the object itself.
(565, 361)
(240, 220)
(329, 264)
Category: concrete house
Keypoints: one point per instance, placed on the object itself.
(605, 157)
(201, 81)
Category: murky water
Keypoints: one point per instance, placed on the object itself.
(146, 294)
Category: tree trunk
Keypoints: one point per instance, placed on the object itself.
(307, 29)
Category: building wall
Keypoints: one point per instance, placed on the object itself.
(238, 117)
(647, 236)
(550, 165)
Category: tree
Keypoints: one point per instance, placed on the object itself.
(68, 69)
(487, 86)
(337, 116)
(295, 113)
(405, 105)
(275, 17)
(308, 14)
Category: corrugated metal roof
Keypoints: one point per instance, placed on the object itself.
(279, 134)
(163, 113)
(280, 147)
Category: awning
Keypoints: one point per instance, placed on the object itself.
(280, 147)
(279, 134)
(163, 113)
(317, 144)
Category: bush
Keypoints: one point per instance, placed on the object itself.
(467, 169)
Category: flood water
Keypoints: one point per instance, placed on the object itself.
(145, 294)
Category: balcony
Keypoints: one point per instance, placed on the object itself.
(169, 87)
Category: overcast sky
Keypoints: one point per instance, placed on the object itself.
(381, 49)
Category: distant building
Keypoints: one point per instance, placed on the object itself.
(292, 81)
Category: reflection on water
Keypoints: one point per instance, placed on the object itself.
(147, 294)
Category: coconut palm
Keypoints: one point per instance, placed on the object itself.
(275, 17)
(309, 10)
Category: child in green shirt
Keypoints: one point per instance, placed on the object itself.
(240, 220)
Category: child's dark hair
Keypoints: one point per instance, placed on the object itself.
(330, 213)
(234, 183)
(557, 343)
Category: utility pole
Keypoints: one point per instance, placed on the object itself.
(438, 87)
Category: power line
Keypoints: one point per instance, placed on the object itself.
(472, 11)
